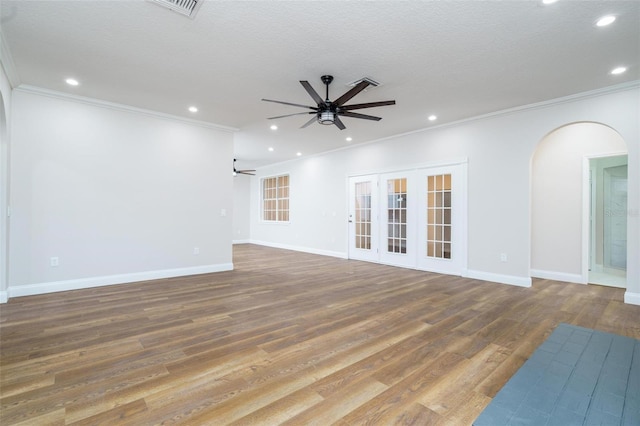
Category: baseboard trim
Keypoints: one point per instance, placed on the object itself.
(499, 278)
(82, 283)
(241, 242)
(558, 276)
(4, 297)
(631, 298)
(330, 253)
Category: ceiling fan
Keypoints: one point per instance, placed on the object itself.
(242, 172)
(329, 112)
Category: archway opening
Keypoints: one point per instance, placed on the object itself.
(566, 227)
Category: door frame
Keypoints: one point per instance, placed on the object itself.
(416, 169)
(587, 211)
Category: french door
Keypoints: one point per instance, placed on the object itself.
(413, 219)
(397, 219)
(442, 220)
(363, 218)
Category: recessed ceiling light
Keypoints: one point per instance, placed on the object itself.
(298, 154)
(274, 127)
(432, 117)
(270, 149)
(605, 20)
(193, 109)
(72, 82)
(349, 139)
(618, 70)
(549, 1)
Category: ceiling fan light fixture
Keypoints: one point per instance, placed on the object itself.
(326, 117)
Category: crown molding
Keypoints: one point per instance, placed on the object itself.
(25, 88)
(6, 60)
(634, 84)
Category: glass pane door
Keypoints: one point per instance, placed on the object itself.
(363, 213)
(439, 216)
(397, 211)
(442, 219)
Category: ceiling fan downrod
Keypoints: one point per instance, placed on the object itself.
(327, 79)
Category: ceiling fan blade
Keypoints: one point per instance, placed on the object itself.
(356, 115)
(289, 115)
(367, 105)
(311, 91)
(338, 122)
(309, 122)
(246, 172)
(351, 93)
(289, 103)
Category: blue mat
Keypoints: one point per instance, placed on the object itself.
(578, 376)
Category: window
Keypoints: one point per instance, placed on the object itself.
(363, 215)
(275, 199)
(439, 216)
(397, 215)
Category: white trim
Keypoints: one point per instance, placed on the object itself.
(118, 107)
(330, 253)
(419, 166)
(4, 297)
(499, 278)
(6, 59)
(632, 298)
(586, 224)
(559, 276)
(82, 283)
(241, 242)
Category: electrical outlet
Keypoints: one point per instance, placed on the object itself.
(54, 262)
(503, 257)
(196, 250)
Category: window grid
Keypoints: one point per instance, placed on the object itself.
(439, 216)
(275, 198)
(397, 215)
(363, 215)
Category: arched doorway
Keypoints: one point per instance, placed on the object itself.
(564, 223)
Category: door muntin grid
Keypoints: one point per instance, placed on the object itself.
(439, 216)
(275, 199)
(397, 215)
(363, 215)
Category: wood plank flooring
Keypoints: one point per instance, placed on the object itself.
(286, 338)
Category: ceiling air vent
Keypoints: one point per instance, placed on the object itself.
(183, 7)
(371, 81)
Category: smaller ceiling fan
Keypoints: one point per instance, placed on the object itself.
(241, 172)
(328, 112)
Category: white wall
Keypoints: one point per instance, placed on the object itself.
(5, 135)
(241, 208)
(557, 196)
(499, 149)
(116, 194)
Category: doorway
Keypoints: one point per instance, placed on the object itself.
(411, 218)
(561, 201)
(608, 234)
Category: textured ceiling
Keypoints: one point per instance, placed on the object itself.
(455, 59)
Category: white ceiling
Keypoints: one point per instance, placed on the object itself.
(455, 59)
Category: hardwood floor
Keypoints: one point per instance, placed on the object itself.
(285, 338)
